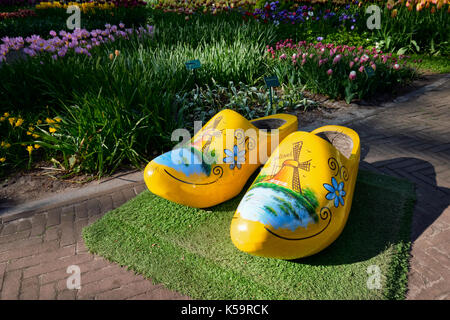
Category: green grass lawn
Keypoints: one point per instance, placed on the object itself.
(433, 64)
(190, 251)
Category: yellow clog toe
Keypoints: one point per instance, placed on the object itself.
(217, 162)
(300, 201)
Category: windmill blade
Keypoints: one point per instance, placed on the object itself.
(206, 146)
(305, 165)
(297, 149)
(216, 122)
(296, 181)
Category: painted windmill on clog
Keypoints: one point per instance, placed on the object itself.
(290, 168)
(203, 140)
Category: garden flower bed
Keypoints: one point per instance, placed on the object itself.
(338, 71)
(80, 41)
(51, 15)
(21, 13)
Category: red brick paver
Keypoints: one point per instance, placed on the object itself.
(412, 140)
(35, 253)
(409, 140)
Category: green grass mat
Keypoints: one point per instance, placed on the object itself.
(190, 251)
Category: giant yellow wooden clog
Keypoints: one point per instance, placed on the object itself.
(300, 201)
(217, 162)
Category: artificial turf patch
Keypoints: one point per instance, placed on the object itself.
(190, 251)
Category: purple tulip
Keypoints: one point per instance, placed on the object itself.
(80, 40)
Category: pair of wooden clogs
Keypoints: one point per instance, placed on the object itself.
(297, 205)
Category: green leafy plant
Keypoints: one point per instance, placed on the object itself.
(95, 136)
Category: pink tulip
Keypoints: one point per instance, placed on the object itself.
(337, 59)
(396, 66)
(330, 72)
(352, 75)
(361, 69)
(351, 64)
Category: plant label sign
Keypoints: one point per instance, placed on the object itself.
(272, 81)
(193, 64)
(370, 72)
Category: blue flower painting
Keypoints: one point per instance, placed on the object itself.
(234, 157)
(336, 192)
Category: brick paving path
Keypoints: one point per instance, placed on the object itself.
(35, 253)
(410, 140)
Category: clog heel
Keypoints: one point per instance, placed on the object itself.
(217, 162)
(300, 201)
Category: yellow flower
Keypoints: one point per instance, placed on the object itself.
(7, 145)
(2, 144)
(30, 149)
(31, 129)
(394, 13)
(35, 135)
(117, 52)
(6, 114)
(49, 121)
(111, 56)
(57, 119)
(3, 159)
(19, 122)
(52, 130)
(2, 119)
(12, 120)
(39, 121)
(37, 146)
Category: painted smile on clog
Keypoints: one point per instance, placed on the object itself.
(272, 202)
(283, 212)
